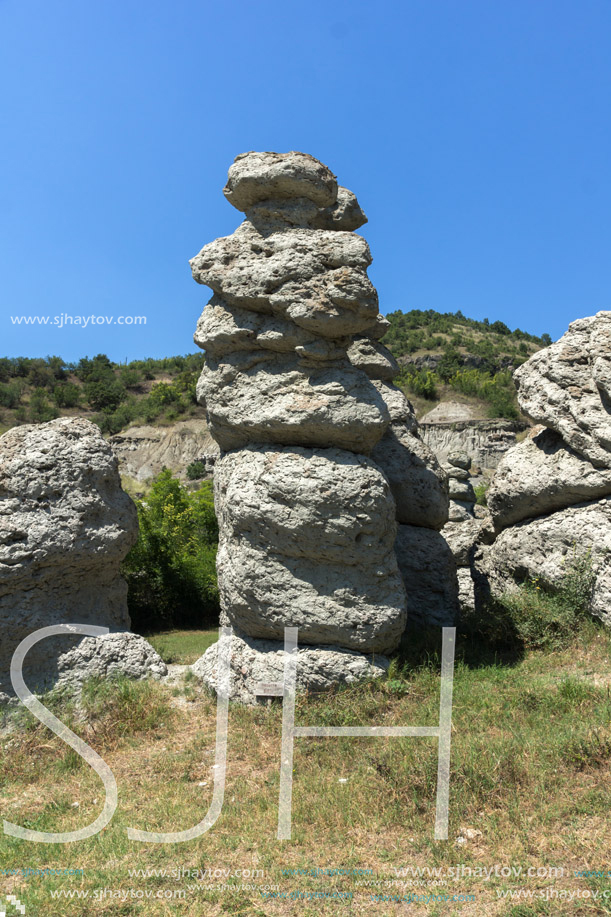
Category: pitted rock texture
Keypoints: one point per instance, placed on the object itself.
(255, 662)
(310, 533)
(544, 497)
(429, 572)
(418, 483)
(544, 549)
(65, 527)
(297, 393)
(540, 475)
(251, 398)
(567, 387)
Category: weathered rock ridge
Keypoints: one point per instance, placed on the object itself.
(65, 527)
(320, 453)
(551, 495)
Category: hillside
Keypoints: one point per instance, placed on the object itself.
(113, 395)
(442, 357)
(448, 357)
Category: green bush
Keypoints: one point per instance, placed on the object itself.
(40, 411)
(541, 615)
(66, 395)
(10, 394)
(481, 491)
(196, 470)
(171, 571)
(422, 382)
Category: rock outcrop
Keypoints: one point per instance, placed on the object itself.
(143, 451)
(550, 498)
(484, 441)
(320, 453)
(65, 527)
(567, 387)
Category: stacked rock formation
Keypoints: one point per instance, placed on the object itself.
(320, 454)
(462, 495)
(550, 499)
(65, 527)
(465, 522)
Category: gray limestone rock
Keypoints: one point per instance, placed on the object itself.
(279, 400)
(461, 538)
(307, 540)
(418, 483)
(65, 527)
(295, 391)
(540, 475)
(260, 176)
(256, 662)
(461, 490)
(543, 548)
(429, 573)
(567, 387)
(373, 358)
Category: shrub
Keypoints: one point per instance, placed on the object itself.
(481, 491)
(66, 395)
(196, 470)
(171, 571)
(546, 616)
(40, 411)
(10, 395)
(421, 382)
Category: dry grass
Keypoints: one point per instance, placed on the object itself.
(530, 786)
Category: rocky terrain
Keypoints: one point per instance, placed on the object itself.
(324, 484)
(65, 526)
(550, 499)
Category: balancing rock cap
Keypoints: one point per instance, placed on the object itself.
(255, 177)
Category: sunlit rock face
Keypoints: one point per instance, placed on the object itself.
(320, 453)
(65, 527)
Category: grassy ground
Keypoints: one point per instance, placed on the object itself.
(183, 646)
(530, 787)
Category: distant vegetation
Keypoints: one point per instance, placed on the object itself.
(444, 353)
(171, 570)
(112, 395)
(420, 331)
(438, 353)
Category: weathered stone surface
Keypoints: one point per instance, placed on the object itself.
(429, 573)
(315, 278)
(294, 360)
(143, 451)
(460, 512)
(262, 661)
(108, 656)
(484, 441)
(461, 538)
(567, 387)
(262, 592)
(461, 490)
(225, 329)
(373, 358)
(327, 505)
(262, 176)
(277, 400)
(543, 548)
(418, 483)
(450, 412)
(459, 460)
(65, 526)
(466, 590)
(307, 540)
(542, 474)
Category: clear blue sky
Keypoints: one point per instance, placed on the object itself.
(476, 134)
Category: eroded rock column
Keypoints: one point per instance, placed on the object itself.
(320, 452)
(65, 527)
